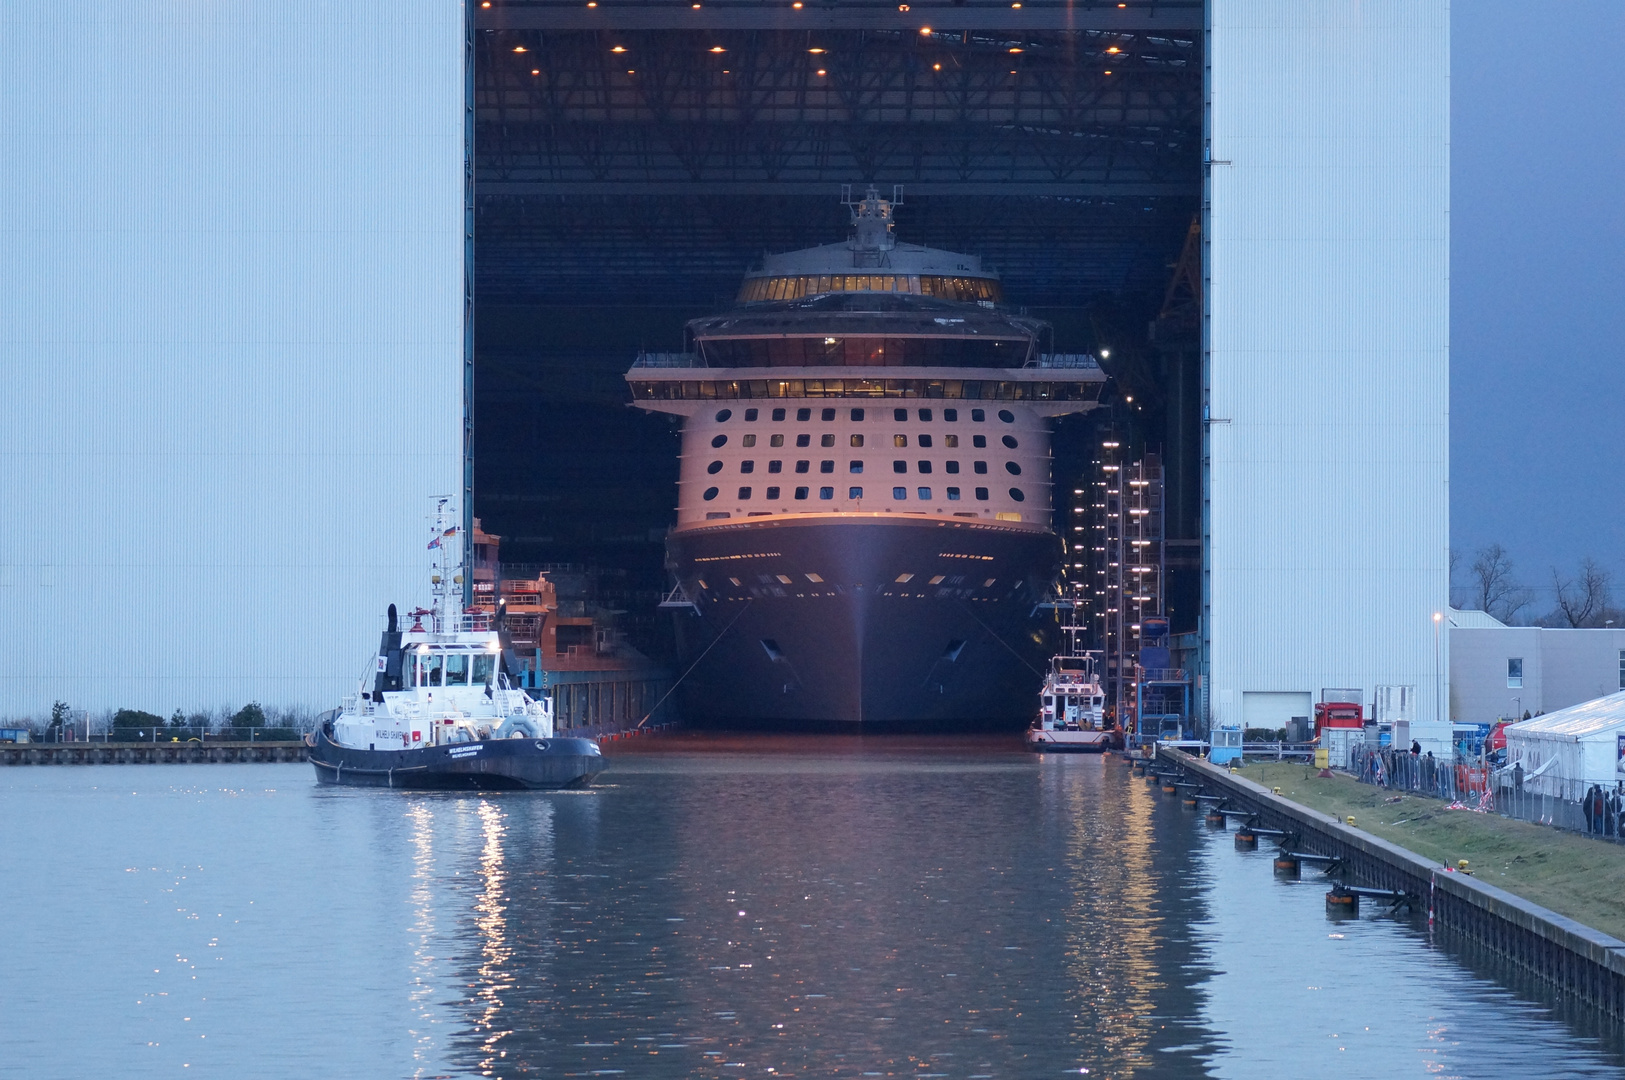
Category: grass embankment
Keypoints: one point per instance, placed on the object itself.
(1572, 875)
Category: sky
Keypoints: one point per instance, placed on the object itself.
(1537, 437)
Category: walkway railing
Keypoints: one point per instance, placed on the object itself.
(1572, 806)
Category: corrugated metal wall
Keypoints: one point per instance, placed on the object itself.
(231, 326)
(1328, 333)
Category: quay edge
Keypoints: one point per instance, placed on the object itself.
(1561, 952)
(149, 753)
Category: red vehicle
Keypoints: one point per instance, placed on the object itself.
(1338, 714)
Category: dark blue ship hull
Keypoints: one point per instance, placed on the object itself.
(492, 765)
(912, 623)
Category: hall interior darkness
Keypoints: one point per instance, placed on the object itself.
(620, 194)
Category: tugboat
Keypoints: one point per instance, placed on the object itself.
(1071, 711)
(442, 714)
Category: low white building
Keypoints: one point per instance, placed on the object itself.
(1565, 752)
(1499, 671)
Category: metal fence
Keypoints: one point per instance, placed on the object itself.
(1472, 784)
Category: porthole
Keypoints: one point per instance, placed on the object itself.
(772, 493)
(980, 467)
(750, 416)
(854, 493)
(899, 466)
(925, 415)
(803, 440)
(1009, 441)
(724, 415)
(899, 493)
(826, 493)
(747, 466)
(778, 414)
(802, 466)
(953, 494)
(714, 468)
(828, 415)
(1015, 493)
(1007, 416)
(925, 494)
(801, 493)
(978, 415)
(803, 414)
(775, 466)
(951, 415)
(854, 466)
(924, 466)
(1012, 468)
(899, 414)
(979, 441)
(710, 493)
(981, 493)
(826, 466)
(857, 440)
(925, 440)
(744, 493)
(719, 442)
(826, 440)
(857, 414)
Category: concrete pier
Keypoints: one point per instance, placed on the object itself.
(1569, 955)
(148, 753)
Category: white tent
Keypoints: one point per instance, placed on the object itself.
(1565, 752)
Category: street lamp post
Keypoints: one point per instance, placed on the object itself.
(1438, 709)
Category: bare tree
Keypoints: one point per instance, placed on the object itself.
(1455, 564)
(1582, 600)
(1494, 587)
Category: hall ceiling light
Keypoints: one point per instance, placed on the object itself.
(618, 49)
(520, 49)
(718, 48)
(821, 71)
(815, 51)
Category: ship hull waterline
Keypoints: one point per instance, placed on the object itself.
(491, 765)
(861, 648)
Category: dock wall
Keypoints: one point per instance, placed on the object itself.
(1566, 954)
(148, 753)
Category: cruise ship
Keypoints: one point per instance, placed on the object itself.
(864, 517)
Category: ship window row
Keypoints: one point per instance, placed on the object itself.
(795, 286)
(951, 389)
(898, 494)
(899, 415)
(898, 465)
(923, 441)
(823, 351)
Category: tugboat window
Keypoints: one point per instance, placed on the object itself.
(432, 665)
(719, 442)
(925, 494)
(750, 416)
(978, 415)
(925, 414)
(1009, 441)
(802, 466)
(899, 466)
(775, 440)
(899, 493)
(803, 440)
(951, 415)
(709, 494)
(925, 440)
(714, 468)
(899, 414)
(775, 466)
(826, 440)
(1015, 493)
(485, 666)
(981, 493)
(747, 466)
(978, 441)
(854, 466)
(953, 494)
(828, 415)
(457, 669)
(801, 493)
(803, 414)
(1012, 468)
(724, 415)
(899, 440)
(748, 440)
(826, 493)
(857, 440)
(854, 493)
(980, 466)
(925, 466)
(951, 466)
(1007, 416)
(778, 414)
(772, 493)
(744, 493)
(857, 414)
(826, 466)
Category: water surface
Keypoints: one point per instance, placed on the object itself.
(716, 908)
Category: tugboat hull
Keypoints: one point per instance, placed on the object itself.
(1070, 742)
(491, 765)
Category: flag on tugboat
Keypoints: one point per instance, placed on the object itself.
(436, 541)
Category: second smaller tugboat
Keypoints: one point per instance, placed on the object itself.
(1071, 711)
(441, 713)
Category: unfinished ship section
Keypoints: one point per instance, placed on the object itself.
(864, 526)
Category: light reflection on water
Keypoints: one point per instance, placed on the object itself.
(825, 907)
